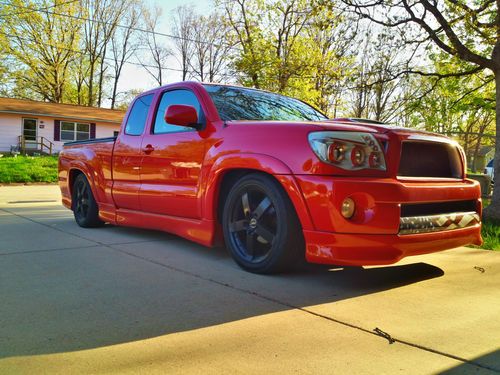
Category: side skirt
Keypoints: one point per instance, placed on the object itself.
(199, 231)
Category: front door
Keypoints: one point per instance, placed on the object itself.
(171, 166)
(30, 132)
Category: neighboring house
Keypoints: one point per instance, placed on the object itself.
(489, 169)
(32, 126)
(484, 154)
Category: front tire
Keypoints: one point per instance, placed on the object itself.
(84, 205)
(261, 228)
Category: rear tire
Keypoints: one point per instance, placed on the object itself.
(84, 206)
(260, 225)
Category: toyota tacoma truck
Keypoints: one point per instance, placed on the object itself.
(273, 178)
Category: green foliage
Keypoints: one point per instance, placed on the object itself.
(491, 235)
(28, 169)
(298, 48)
(461, 107)
(42, 45)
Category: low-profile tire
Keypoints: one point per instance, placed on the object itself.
(260, 225)
(84, 206)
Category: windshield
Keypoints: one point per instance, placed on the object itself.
(237, 103)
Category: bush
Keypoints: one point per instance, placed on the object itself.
(28, 169)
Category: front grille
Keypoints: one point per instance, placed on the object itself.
(421, 209)
(429, 159)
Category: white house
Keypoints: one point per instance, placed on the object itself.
(28, 125)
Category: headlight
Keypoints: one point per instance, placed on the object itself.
(348, 150)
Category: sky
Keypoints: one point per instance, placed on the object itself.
(136, 77)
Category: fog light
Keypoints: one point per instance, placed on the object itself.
(348, 207)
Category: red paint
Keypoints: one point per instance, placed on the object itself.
(183, 115)
(172, 182)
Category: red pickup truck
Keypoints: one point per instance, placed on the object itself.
(274, 178)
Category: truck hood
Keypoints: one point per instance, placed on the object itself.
(341, 125)
(378, 128)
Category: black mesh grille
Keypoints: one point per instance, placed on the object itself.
(423, 209)
(429, 159)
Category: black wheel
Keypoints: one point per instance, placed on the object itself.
(261, 228)
(84, 205)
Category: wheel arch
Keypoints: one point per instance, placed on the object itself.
(73, 173)
(227, 170)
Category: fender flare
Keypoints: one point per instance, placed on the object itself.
(257, 162)
(90, 174)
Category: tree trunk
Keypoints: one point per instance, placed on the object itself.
(492, 212)
(90, 101)
(113, 96)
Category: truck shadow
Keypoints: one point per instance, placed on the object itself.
(78, 299)
(489, 361)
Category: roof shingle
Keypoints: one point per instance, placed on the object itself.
(62, 111)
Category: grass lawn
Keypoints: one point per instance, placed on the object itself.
(491, 236)
(28, 169)
(490, 232)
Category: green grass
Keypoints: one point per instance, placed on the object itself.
(28, 169)
(490, 232)
(491, 236)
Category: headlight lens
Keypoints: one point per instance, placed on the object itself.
(348, 150)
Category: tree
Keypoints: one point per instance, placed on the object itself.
(467, 31)
(244, 19)
(461, 107)
(295, 47)
(124, 44)
(101, 19)
(157, 50)
(211, 48)
(182, 30)
(376, 93)
(43, 45)
(331, 57)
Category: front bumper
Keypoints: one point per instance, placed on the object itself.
(377, 234)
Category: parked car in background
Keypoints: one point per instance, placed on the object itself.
(489, 170)
(273, 177)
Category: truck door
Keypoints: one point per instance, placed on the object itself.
(172, 161)
(127, 155)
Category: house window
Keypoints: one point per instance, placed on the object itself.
(74, 131)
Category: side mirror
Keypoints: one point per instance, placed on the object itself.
(182, 115)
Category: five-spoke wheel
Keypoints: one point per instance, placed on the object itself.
(260, 226)
(85, 208)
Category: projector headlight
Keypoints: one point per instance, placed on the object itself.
(348, 150)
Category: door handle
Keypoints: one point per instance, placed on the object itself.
(148, 149)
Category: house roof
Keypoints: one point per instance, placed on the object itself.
(485, 150)
(60, 111)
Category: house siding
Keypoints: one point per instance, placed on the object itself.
(11, 129)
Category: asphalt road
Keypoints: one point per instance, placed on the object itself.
(121, 300)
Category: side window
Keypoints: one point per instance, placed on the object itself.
(185, 97)
(138, 115)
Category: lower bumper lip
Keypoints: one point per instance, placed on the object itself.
(436, 223)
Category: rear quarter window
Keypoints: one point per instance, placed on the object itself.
(138, 115)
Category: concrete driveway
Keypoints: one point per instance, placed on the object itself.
(121, 300)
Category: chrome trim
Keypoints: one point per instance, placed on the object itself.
(437, 223)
